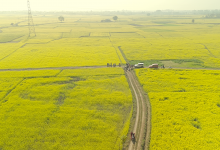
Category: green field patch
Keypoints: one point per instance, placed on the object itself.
(44, 89)
(8, 37)
(187, 63)
(146, 62)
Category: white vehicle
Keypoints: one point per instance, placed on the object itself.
(139, 65)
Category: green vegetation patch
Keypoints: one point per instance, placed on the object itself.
(8, 37)
(193, 63)
(180, 61)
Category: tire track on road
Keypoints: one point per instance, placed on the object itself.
(142, 120)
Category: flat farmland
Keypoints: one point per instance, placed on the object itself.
(51, 107)
(166, 41)
(69, 109)
(185, 108)
(73, 43)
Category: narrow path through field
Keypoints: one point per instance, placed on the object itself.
(142, 125)
(208, 50)
(52, 68)
(84, 67)
(142, 117)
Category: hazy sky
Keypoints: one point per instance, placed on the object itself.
(101, 5)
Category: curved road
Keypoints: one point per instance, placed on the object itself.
(143, 115)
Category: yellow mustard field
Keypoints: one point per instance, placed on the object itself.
(85, 41)
(64, 109)
(91, 108)
(185, 108)
(57, 44)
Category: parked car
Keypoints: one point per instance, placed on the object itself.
(153, 66)
(139, 65)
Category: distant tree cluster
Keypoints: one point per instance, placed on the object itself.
(115, 18)
(61, 18)
(14, 24)
(109, 20)
(212, 16)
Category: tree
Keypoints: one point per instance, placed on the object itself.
(193, 20)
(115, 18)
(148, 14)
(61, 18)
(106, 20)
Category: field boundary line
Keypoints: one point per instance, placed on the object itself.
(59, 72)
(160, 34)
(12, 52)
(208, 50)
(123, 54)
(115, 49)
(9, 91)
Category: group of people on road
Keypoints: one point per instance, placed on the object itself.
(127, 67)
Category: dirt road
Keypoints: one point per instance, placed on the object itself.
(142, 121)
(52, 68)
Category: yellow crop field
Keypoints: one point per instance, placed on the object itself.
(64, 53)
(75, 108)
(172, 39)
(57, 44)
(69, 109)
(185, 108)
(165, 40)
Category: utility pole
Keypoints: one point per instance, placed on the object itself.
(30, 21)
